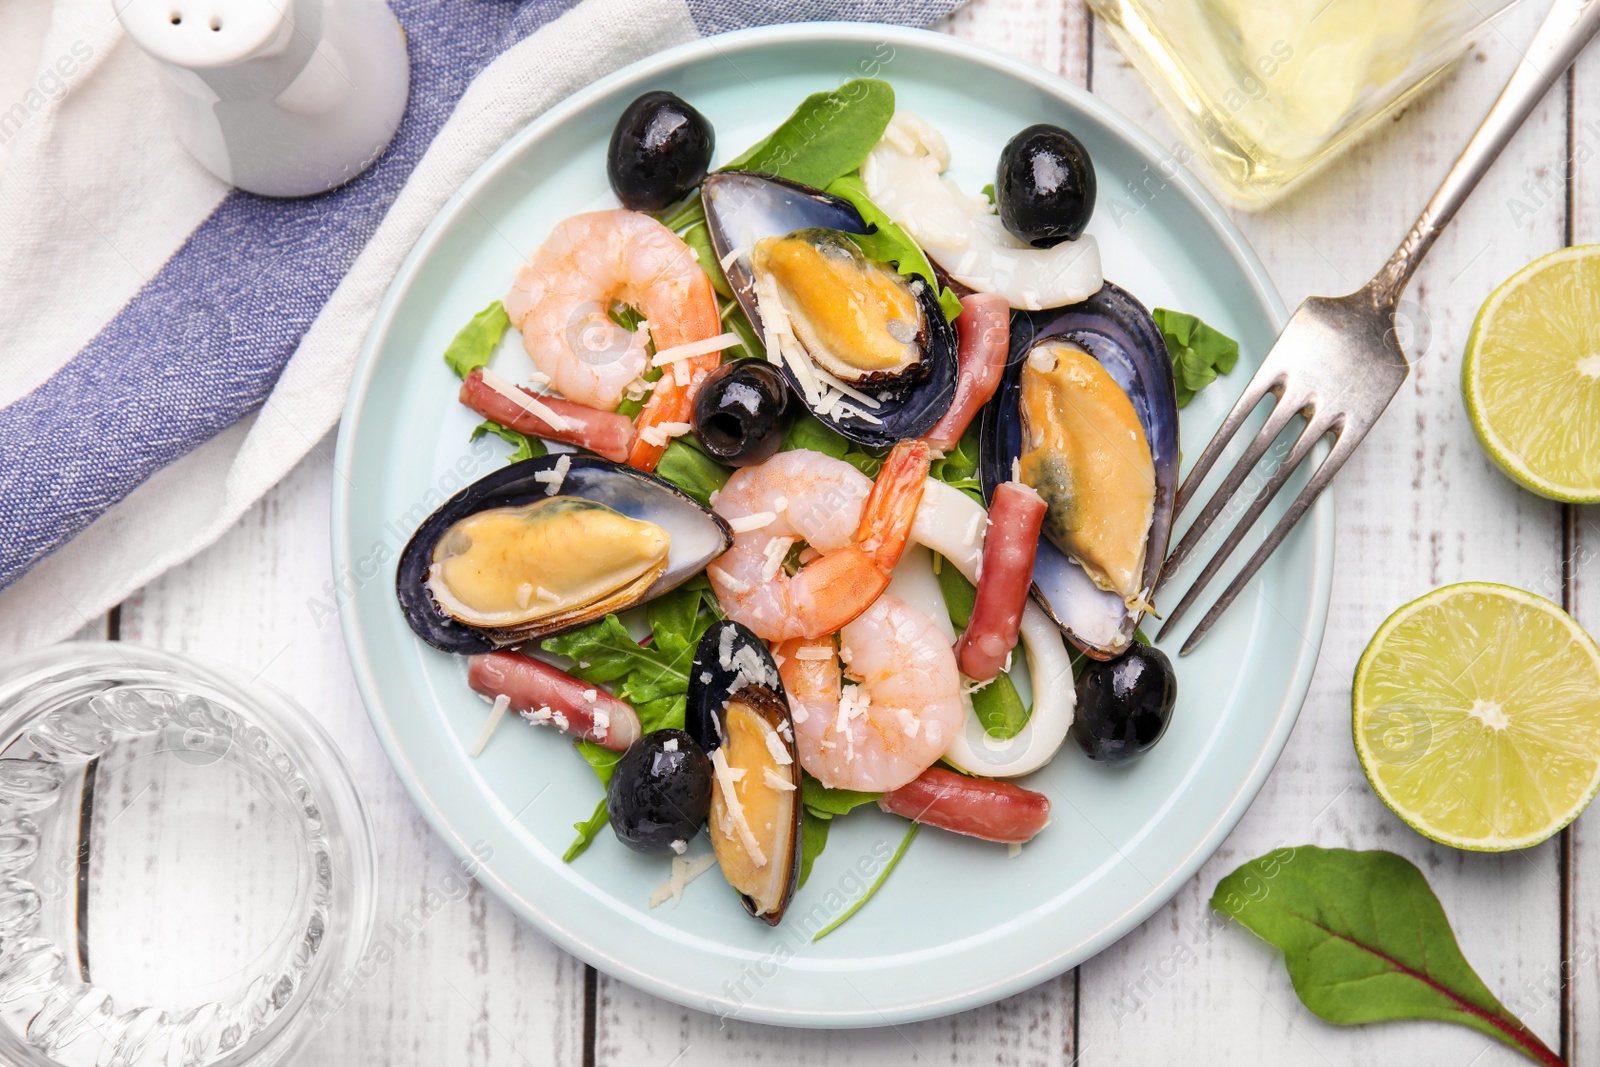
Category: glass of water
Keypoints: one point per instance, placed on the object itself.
(186, 866)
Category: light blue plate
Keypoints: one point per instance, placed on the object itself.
(959, 924)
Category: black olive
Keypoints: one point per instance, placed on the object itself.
(660, 792)
(739, 412)
(1124, 704)
(659, 152)
(1045, 186)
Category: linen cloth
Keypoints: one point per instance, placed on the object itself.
(170, 348)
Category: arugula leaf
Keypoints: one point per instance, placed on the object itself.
(825, 803)
(1366, 940)
(586, 831)
(999, 707)
(960, 595)
(604, 652)
(698, 237)
(475, 342)
(678, 621)
(813, 839)
(988, 191)
(734, 318)
(1199, 353)
(888, 243)
(828, 135)
(808, 431)
(688, 468)
(872, 890)
(527, 447)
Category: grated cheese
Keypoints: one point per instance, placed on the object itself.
(777, 548)
(553, 479)
(725, 648)
(757, 521)
(1013, 849)
(780, 755)
(684, 871)
(814, 652)
(776, 781)
(690, 349)
(670, 745)
(680, 846)
(733, 256)
(799, 713)
(496, 713)
(525, 401)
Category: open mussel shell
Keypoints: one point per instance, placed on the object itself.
(1119, 333)
(742, 208)
(696, 537)
(738, 713)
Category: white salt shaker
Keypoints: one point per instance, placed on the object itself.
(278, 97)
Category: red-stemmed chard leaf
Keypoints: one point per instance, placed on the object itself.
(1366, 941)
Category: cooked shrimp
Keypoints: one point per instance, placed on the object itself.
(562, 295)
(891, 714)
(858, 528)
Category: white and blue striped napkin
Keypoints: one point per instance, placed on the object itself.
(170, 348)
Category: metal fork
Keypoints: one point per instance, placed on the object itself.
(1338, 363)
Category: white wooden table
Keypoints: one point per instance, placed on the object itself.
(1420, 506)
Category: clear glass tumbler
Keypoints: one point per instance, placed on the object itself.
(186, 866)
(1265, 90)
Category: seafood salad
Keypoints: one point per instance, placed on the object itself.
(834, 484)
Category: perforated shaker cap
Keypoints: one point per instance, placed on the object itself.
(204, 34)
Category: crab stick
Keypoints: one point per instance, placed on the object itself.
(1016, 513)
(977, 807)
(541, 693)
(983, 336)
(605, 433)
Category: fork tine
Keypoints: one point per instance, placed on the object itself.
(1285, 410)
(1256, 388)
(1310, 434)
(1349, 437)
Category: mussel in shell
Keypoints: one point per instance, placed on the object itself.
(738, 712)
(858, 320)
(547, 545)
(867, 349)
(1087, 414)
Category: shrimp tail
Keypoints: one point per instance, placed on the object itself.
(836, 588)
(672, 400)
(891, 507)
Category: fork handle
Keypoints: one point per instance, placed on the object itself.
(1565, 30)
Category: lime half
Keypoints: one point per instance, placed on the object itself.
(1477, 716)
(1531, 377)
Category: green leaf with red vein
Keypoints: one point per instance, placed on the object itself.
(1366, 941)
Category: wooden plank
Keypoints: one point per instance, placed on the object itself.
(467, 983)
(1031, 1028)
(1579, 971)
(1419, 507)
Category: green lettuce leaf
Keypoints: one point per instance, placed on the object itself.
(825, 803)
(527, 447)
(827, 137)
(813, 839)
(1365, 941)
(1199, 353)
(475, 342)
(687, 467)
(999, 706)
(587, 829)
